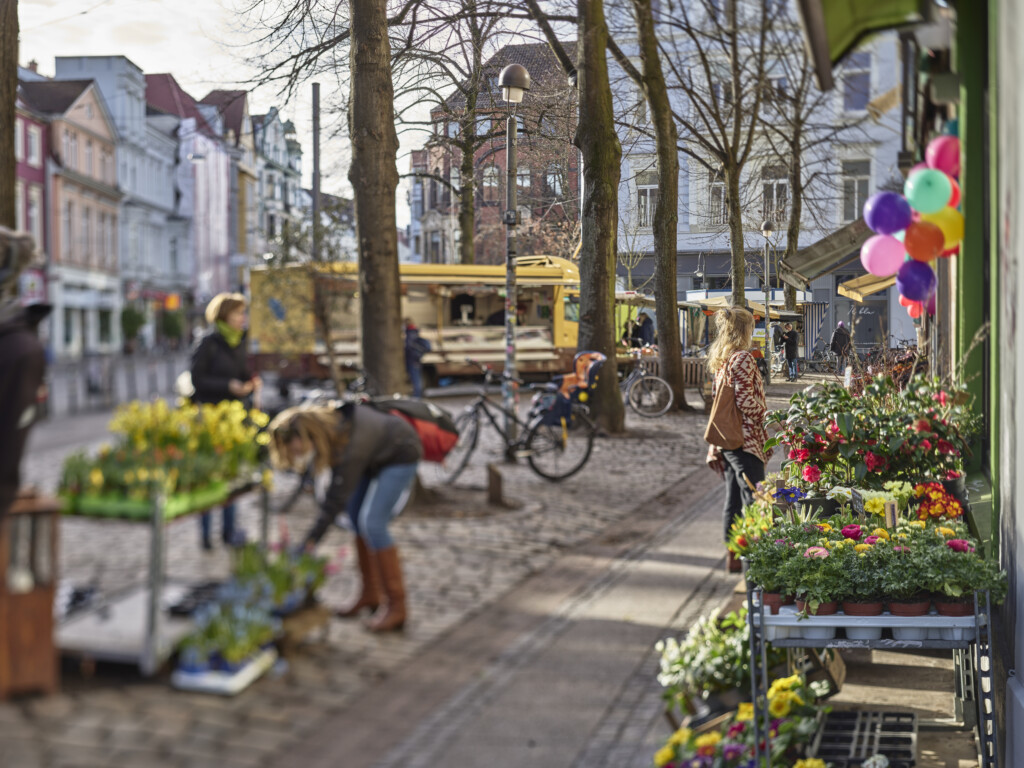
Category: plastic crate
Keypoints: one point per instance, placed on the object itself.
(847, 738)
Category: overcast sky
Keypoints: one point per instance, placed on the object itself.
(201, 42)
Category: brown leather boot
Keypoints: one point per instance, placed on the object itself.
(371, 589)
(391, 615)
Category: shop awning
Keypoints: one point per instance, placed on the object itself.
(861, 287)
(830, 253)
(832, 28)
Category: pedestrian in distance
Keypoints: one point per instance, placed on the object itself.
(646, 329)
(789, 340)
(840, 344)
(220, 372)
(415, 348)
(373, 458)
(731, 363)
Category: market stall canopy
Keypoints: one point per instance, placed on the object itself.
(757, 307)
(833, 28)
(637, 299)
(861, 287)
(830, 253)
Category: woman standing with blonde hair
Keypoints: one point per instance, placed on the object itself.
(730, 362)
(373, 458)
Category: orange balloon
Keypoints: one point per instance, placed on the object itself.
(915, 310)
(954, 199)
(924, 241)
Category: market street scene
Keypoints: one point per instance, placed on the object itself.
(620, 383)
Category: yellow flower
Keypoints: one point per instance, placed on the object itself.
(916, 524)
(664, 756)
(784, 684)
(708, 740)
(745, 712)
(946, 531)
(862, 547)
(810, 762)
(143, 474)
(268, 479)
(875, 506)
(902, 535)
(259, 418)
(881, 533)
(681, 736)
(263, 439)
(779, 706)
(129, 476)
(96, 477)
(824, 527)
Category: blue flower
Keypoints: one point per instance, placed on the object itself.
(789, 495)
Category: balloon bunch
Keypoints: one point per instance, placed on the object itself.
(917, 227)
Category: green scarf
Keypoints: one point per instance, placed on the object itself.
(231, 336)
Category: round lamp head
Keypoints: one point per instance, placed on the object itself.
(514, 81)
(767, 228)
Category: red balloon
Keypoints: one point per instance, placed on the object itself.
(905, 302)
(924, 241)
(954, 199)
(951, 251)
(915, 310)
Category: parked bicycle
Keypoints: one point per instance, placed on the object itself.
(555, 439)
(647, 394)
(823, 361)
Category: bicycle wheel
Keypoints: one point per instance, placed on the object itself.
(650, 396)
(556, 451)
(468, 426)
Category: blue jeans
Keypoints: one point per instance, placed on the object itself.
(377, 500)
(416, 379)
(227, 528)
(792, 368)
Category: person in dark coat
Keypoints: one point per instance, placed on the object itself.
(415, 348)
(790, 339)
(220, 372)
(22, 363)
(646, 329)
(840, 344)
(373, 457)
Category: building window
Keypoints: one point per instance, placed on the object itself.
(19, 140)
(454, 179)
(19, 205)
(523, 179)
(271, 226)
(775, 195)
(856, 82)
(553, 181)
(35, 214)
(710, 282)
(111, 242)
(105, 334)
(73, 152)
(86, 234)
(520, 124)
(490, 184)
(101, 239)
(67, 243)
(69, 326)
(646, 198)
(723, 94)
(483, 125)
(453, 130)
(35, 147)
(174, 255)
(88, 169)
(718, 208)
(856, 181)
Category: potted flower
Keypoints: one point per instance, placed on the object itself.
(817, 577)
(904, 581)
(954, 570)
(765, 560)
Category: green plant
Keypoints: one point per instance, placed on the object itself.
(172, 324)
(766, 559)
(132, 320)
(953, 568)
(817, 574)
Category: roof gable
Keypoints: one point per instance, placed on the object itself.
(234, 109)
(164, 93)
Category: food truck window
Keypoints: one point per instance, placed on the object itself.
(571, 309)
(457, 304)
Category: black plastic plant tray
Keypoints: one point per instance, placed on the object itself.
(197, 596)
(847, 738)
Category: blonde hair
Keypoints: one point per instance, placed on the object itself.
(319, 425)
(733, 328)
(222, 305)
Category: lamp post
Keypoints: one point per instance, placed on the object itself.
(767, 228)
(514, 81)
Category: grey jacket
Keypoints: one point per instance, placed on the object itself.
(375, 440)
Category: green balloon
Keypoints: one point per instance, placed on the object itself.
(928, 191)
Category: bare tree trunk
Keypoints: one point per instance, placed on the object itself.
(8, 97)
(374, 177)
(795, 214)
(602, 154)
(737, 242)
(467, 210)
(666, 214)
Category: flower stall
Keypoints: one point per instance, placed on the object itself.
(163, 463)
(861, 539)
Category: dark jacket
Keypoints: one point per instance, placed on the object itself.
(840, 343)
(375, 440)
(646, 331)
(415, 347)
(214, 364)
(790, 339)
(22, 362)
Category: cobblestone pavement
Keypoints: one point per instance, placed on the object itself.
(453, 567)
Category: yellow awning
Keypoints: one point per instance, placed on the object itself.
(861, 287)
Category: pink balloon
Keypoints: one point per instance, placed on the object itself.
(943, 153)
(882, 255)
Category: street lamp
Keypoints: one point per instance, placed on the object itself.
(767, 228)
(514, 81)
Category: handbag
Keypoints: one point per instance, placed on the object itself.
(725, 424)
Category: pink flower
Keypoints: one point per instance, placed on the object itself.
(812, 474)
(942, 398)
(922, 425)
(901, 549)
(819, 552)
(873, 462)
(792, 453)
(946, 447)
(926, 445)
(737, 729)
(952, 474)
(803, 454)
(853, 531)
(870, 539)
(959, 545)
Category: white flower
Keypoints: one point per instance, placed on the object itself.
(876, 761)
(838, 492)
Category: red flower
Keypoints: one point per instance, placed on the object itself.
(741, 541)
(946, 447)
(737, 729)
(812, 474)
(952, 474)
(922, 425)
(926, 445)
(803, 454)
(870, 539)
(852, 531)
(942, 398)
(792, 453)
(959, 545)
(874, 463)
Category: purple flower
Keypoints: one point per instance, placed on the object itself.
(733, 751)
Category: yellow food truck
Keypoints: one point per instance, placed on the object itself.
(458, 308)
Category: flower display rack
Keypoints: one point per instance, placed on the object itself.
(972, 643)
(847, 739)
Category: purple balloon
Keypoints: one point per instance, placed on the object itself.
(916, 280)
(887, 213)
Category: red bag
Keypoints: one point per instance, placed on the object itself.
(433, 424)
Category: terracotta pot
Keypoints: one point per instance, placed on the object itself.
(947, 607)
(824, 609)
(772, 601)
(910, 607)
(853, 608)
